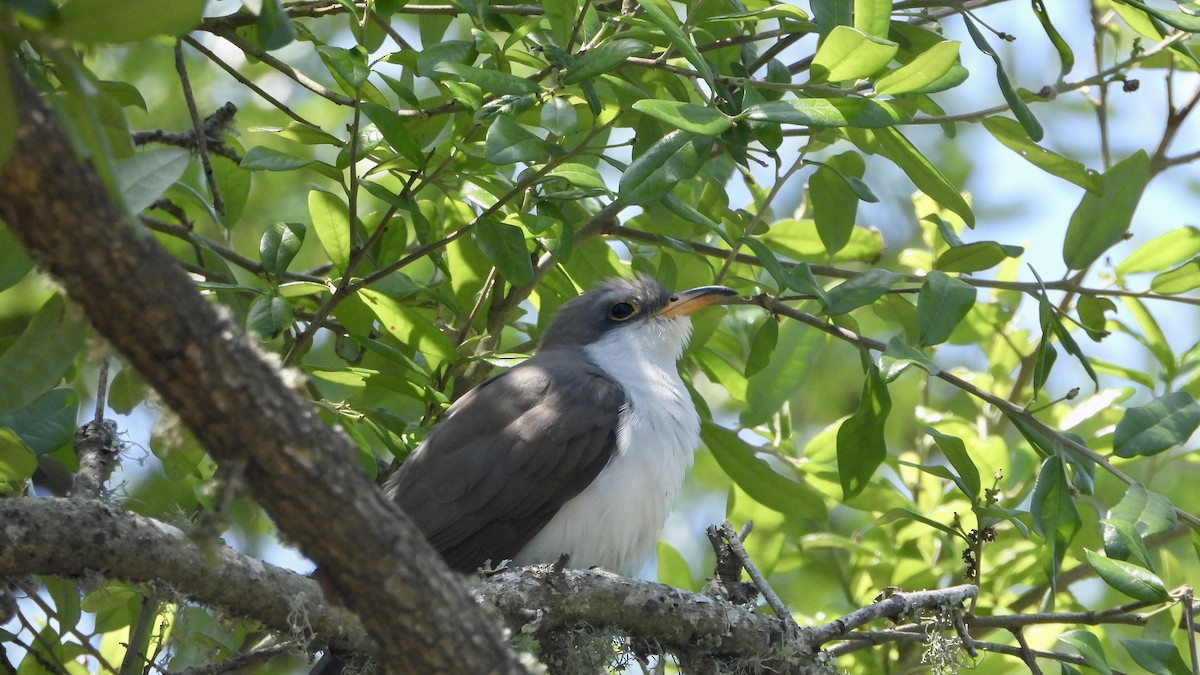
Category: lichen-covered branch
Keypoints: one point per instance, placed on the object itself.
(77, 538)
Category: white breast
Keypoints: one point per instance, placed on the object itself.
(615, 521)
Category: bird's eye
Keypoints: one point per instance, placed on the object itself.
(623, 310)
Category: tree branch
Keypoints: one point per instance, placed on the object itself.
(59, 537)
(300, 470)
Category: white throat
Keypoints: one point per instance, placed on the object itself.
(615, 521)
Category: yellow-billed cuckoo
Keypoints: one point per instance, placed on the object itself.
(581, 449)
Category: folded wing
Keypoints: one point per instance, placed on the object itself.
(508, 455)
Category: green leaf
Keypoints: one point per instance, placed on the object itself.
(834, 201)
(14, 264)
(126, 20)
(1158, 658)
(1014, 100)
(1121, 542)
(43, 10)
(331, 222)
(1052, 507)
(892, 515)
(602, 59)
(827, 112)
(1101, 221)
(17, 463)
(691, 117)
(956, 453)
(1089, 647)
(1184, 22)
(126, 391)
(125, 94)
(299, 289)
(65, 593)
(1013, 136)
(780, 11)
(798, 239)
(976, 256)
(898, 350)
(262, 158)
(579, 175)
(508, 143)
(929, 67)
(861, 289)
(762, 346)
(1049, 320)
(850, 54)
(144, 177)
(559, 117)
(1162, 252)
(677, 156)
(48, 423)
(1151, 334)
(1137, 582)
(409, 326)
(274, 26)
(661, 14)
(689, 213)
(279, 245)
(673, 568)
(942, 303)
(489, 80)
(861, 446)
(795, 353)
(269, 316)
(1092, 317)
(1066, 57)
(504, 245)
(1043, 363)
(436, 52)
(234, 184)
(8, 113)
(1164, 423)
(396, 131)
(923, 174)
(40, 356)
(348, 65)
(757, 478)
(1179, 280)
(873, 17)
(801, 280)
(766, 257)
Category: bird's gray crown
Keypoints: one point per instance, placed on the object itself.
(611, 303)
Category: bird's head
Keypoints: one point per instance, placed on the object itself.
(641, 307)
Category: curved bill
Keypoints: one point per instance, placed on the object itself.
(684, 303)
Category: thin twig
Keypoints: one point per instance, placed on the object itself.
(135, 660)
(187, 139)
(96, 446)
(1027, 654)
(230, 255)
(247, 82)
(244, 662)
(101, 390)
(1189, 626)
(198, 126)
(777, 605)
(294, 73)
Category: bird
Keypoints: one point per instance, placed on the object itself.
(580, 450)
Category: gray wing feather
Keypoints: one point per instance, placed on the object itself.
(508, 455)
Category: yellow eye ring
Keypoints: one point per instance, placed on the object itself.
(623, 310)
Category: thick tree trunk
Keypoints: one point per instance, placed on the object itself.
(301, 471)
